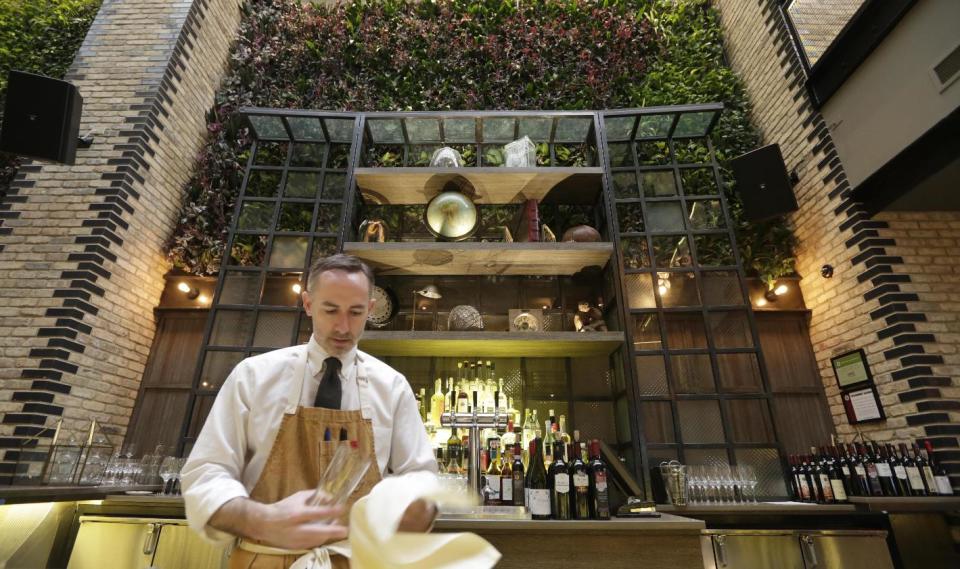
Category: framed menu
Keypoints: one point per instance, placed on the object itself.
(851, 369)
(863, 405)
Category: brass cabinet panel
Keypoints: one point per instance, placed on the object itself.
(845, 552)
(180, 546)
(115, 544)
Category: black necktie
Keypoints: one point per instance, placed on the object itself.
(328, 395)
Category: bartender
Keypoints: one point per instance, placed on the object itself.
(253, 469)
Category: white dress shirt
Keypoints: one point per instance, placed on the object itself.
(232, 449)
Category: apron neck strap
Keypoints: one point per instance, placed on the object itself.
(299, 371)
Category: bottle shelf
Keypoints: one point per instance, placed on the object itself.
(396, 186)
(473, 258)
(491, 344)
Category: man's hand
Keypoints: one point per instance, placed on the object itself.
(418, 517)
(290, 523)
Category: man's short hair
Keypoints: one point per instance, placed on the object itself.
(338, 262)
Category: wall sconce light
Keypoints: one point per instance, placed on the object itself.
(188, 290)
(773, 291)
(663, 283)
(297, 288)
(429, 291)
(203, 299)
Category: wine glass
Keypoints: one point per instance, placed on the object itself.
(167, 469)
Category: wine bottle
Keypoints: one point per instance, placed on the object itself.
(493, 474)
(506, 476)
(858, 472)
(454, 452)
(519, 494)
(838, 482)
(436, 403)
(537, 484)
(803, 481)
(873, 474)
(508, 439)
(914, 477)
(580, 493)
(599, 499)
(923, 462)
(823, 478)
(944, 488)
(559, 484)
(884, 471)
(899, 471)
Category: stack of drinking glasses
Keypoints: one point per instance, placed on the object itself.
(721, 484)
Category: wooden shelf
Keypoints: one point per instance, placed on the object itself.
(493, 185)
(491, 344)
(472, 258)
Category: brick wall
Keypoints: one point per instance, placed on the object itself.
(81, 266)
(889, 295)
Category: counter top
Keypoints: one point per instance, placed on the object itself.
(907, 503)
(760, 508)
(665, 523)
(29, 494)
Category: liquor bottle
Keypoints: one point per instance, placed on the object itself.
(859, 472)
(493, 474)
(436, 403)
(421, 396)
(899, 471)
(506, 475)
(565, 436)
(519, 495)
(580, 478)
(599, 499)
(548, 438)
(914, 477)
(884, 471)
(537, 484)
(552, 418)
(559, 484)
(509, 438)
(838, 482)
(454, 453)
(873, 474)
(923, 462)
(463, 400)
(944, 488)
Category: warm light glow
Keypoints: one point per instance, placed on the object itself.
(761, 302)
(202, 299)
(183, 287)
(544, 306)
(297, 288)
(780, 290)
(663, 290)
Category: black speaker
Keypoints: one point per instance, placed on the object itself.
(41, 118)
(763, 183)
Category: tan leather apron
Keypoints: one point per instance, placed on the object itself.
(299, 456)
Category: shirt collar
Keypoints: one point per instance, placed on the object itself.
(316, 356)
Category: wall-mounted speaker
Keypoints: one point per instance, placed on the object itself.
(763, 183)
(41, 118)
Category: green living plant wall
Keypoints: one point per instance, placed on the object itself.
(39, 36)
(456, 54)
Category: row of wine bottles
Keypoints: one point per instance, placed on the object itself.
(574, 490)
(833, 473)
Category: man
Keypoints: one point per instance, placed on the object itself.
(252, 469)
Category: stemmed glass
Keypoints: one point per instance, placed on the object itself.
(168, 468)
(748, 478)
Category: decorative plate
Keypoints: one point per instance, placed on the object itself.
(384, 309)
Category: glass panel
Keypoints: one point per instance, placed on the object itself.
(651, 375)
(714, 250)
(730, 329)
(537, 128)
(306, 128)
(700, 422)
(200, 411)
(698, 182)
(498, 129)
(340, 130)
(705, 214)
(328, 219)
(705, 456)
(256, 215)
(339, 156)
(279, 289)
(240, 287)
(274, 329)
(572, 129)
(268, 127)
(262, 184)
(305, 330)
(423, 130)
(654, 126)
(546, 379)
(216, 367)
(460, 130)
(289, 252)
(671, 251)
(271, 153)
(721, 288)
(692, 373)
(653, 153)
(768, 468)
(639, 290)
(334, 186)
(248, 250)
(658, 183)
(385, 131)
(323, 247)
(630, 217)
(295, 217)
(646, 332)
(595, 419)
(692, 151)
(623, 420)
(693, 124)
(625, 185)
(665, 216)
(657, 422)
(302, 184)
(749, 421)
(230, 327)
(590, 377)
(685, 330)
(801, 420)
(620, 153)
(677, 289)
(739, 373)
(308, 155)
(635, 255)
(619, 128)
